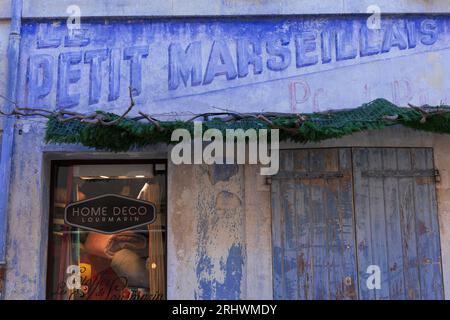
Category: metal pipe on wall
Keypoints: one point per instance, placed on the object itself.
(8, 131)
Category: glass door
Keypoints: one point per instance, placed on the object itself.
(89, 264)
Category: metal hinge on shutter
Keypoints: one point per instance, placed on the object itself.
(306, 175)
(401, 173)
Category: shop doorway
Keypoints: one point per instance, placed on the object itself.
(117, 248)
(356, 223)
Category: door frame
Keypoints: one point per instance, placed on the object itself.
(54, 164)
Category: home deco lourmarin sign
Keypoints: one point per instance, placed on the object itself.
(109, 213)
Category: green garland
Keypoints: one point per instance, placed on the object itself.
(130, 133)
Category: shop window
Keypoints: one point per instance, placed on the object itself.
(127, 263)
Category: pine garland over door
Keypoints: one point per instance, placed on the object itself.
(128, 133)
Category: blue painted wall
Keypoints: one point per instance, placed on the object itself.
(246, 64)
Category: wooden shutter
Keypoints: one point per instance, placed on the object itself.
(396, 222)
(324, 199)
(313, 227)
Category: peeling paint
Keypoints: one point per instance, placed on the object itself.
(222, 172)
(230, 288)
(227, 200)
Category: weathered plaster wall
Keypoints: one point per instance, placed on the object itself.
(219, 239)
(5, 9)
(207, 230)
(51, 8)
(4, 36)
(300, 64)
(26, 219)
(442, 162)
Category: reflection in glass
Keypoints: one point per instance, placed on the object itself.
(86, 265)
